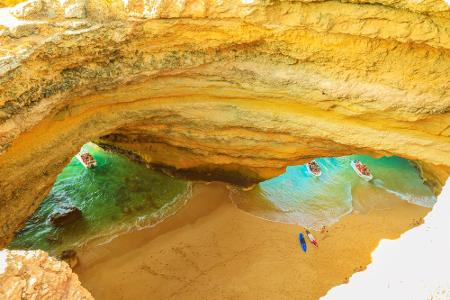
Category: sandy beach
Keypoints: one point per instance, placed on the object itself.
(212, 250)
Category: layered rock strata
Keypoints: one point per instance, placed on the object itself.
(230, 90)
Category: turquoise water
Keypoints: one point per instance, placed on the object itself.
(298, 197)
(119, 195)
(116, 195)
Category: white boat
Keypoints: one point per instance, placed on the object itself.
(357, 171)
(314, 173)
(91, 163)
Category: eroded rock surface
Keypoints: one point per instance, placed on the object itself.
(35, 275)
(231, 90)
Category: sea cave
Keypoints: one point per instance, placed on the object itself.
(236, 145)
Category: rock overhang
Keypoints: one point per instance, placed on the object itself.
(227, 90)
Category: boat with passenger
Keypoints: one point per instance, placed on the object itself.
(86, 159)
(314, 168)
(362, 170)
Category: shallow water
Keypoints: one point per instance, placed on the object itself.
(115, 196)
(120, 194)
(298, 197)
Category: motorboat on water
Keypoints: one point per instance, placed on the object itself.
(86, 159)
(314, 168)
(362, 170)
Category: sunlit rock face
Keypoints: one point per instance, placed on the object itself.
(35, 275)
(224, 90)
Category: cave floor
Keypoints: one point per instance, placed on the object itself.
(212, 250)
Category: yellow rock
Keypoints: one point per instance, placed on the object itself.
(35, 275)
(231, 90)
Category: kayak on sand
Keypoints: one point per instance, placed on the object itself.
(311, 238)
(302, 242)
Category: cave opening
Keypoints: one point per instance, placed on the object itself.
(116, 195)
(297, 197)
(124, 193)
(229, 91)
(168, 228)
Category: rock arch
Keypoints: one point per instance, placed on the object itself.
(231, 90)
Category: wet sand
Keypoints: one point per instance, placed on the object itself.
(212, 250)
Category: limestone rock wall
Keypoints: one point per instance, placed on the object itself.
(35, 275)
(220, 89)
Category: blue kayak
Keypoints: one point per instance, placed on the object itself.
(302, 242)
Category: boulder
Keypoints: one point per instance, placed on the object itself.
(65, 216)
